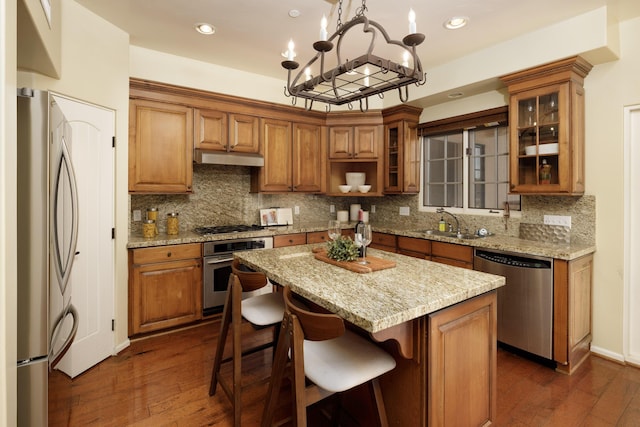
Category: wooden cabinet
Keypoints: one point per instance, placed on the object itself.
(165, 287)
(383, 241)
(546, 124)
(289, 240)
(221, 131)
(160, 147)
(294, 158)
(317, 237)
(461, 384)
(452, 254)
(354, 142)
(412, 246)
(401, 150)
(572, 300)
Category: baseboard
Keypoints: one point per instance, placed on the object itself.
(121, 346)
(606, 354)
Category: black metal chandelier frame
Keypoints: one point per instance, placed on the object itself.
(356, 79)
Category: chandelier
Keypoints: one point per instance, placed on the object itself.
(359, 78)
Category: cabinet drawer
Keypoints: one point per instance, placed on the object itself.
(289, 240)
(452, 251)
(167, 253)
(317, 237)
(384, 239)
(412, 244)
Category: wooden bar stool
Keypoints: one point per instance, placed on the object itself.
(324, 352)
(260, 311)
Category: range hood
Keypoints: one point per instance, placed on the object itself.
(222, 158)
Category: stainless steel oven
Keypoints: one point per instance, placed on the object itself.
(217, 257)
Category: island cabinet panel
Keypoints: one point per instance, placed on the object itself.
(160, 147)
(462, 345)
(289, 240)
(165, 287)
(383, 241)
(452, 254)
(572, 292)
(411, 246)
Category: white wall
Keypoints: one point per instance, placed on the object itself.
(8, 240)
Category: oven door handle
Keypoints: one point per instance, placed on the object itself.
(210, 261)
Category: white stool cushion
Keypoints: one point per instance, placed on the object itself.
(263, 310)
(342, 363)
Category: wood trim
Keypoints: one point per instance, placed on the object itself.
(465, 121)
(574, 68)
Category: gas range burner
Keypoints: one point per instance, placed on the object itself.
(219, 229)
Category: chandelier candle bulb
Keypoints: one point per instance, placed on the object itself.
(323, 29)
(405, 59)
(412, 22)
(290, 54)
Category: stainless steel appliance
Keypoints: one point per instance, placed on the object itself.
(47, 205)
(525, 303)
(217, 257)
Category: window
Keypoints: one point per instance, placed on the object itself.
(466, 164)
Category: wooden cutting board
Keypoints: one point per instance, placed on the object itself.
(374, 263)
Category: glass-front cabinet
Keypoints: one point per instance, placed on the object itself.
(401, 150)
(546, 121)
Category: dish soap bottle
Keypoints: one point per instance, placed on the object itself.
(545, 172)
(442, 226)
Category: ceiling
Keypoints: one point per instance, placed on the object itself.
(251, 35)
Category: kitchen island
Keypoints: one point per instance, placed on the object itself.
(438, 321)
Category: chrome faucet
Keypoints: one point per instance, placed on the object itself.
(442, 211)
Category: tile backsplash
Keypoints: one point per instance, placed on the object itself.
(221, 196)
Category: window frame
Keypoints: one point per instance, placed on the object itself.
(477, 120)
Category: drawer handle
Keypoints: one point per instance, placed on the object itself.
(168, 254)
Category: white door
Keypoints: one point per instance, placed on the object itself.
(92, 281)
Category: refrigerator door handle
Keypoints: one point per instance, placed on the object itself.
(63, 266)
(55, 357)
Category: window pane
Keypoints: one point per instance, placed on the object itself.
(443, 163)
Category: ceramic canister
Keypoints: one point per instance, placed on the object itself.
(353, 211)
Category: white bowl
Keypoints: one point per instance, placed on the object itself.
(548, 148)
(364, 188)
(344, 188)
(530, 150)
(354, 179)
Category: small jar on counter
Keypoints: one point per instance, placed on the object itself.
(149, 228)
(173, 224)
(152, 214)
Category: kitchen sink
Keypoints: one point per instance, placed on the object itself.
(452, 234)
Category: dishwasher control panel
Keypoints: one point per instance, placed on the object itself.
(512, 260)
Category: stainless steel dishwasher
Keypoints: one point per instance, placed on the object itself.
(525, 303)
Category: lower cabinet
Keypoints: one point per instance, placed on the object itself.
(317, 237)
(572, 284)
(289, 240)
(383, 241)
(452, 254)
(412, 246)
(165, 287)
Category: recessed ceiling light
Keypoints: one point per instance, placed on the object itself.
(204, 28)
(454, 95)
(456, 22)
(294, 13)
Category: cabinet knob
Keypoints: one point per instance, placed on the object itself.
(168, 254)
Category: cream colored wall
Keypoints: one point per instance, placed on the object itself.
(8, 239)
(95, 68)
(610, 87)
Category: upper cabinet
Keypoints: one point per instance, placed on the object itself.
(354, 142)
(160, 147)
(401, 150)
(294, 157)
(546, 122)
(220, 131)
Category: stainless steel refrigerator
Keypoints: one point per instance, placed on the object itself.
(47, 236)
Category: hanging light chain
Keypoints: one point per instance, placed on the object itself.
(359, 12)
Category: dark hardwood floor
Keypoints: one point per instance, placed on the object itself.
(164, 381)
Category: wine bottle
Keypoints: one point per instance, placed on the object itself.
(360, 221)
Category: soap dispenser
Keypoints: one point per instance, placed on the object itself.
(442, 226)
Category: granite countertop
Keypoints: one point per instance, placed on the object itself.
(373, 301)
(498, 242)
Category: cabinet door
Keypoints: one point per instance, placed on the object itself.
(410, 159)
(210, 130)
(341, 142)
(244, 133)
(452, 254)
(160, 147)
(289, 240)
(393, 170)
(309, 156)
(366, 141)
(164, 295)
(275, 175)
